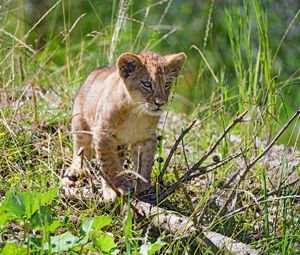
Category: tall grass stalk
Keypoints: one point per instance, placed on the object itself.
(265, 58)
(123, 7)
(251, 54)
(137, 41)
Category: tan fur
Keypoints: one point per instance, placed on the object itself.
(118, 110)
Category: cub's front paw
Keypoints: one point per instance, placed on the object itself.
(70, 182)
(73, 172)
(109, 194)
(122, 185)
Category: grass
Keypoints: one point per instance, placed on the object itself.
(39, 80)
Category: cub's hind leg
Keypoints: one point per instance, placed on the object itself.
(82, 141)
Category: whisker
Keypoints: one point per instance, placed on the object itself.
(136, 111)
(143, 110)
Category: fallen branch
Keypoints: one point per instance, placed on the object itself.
(180, 225)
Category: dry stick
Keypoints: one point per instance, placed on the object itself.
(173, 149)
(237, 120)
(196, 166)
(209, 168)
(202, 170)
(253, 162)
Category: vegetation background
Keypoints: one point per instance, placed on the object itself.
(242, 55)
(238, 40)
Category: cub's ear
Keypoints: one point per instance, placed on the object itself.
(175, 63)
(128, 63)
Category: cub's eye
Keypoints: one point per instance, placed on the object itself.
(147, 85)
(168, 85)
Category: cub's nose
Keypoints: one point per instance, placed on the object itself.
(159, 102)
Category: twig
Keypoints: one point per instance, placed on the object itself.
(253, 162)
(179, 139)
(195, 167)
(237, 120)
(209, 168)
(202, 170)
(173, 149)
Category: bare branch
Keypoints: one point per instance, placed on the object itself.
(237, 120)
(202, 170)
(179, 139)
(195, 167)
(173, 149)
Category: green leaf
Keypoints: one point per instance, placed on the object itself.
(22, 204)
(13, 249)
(16, 204)
(115, 252)
(41, 218)
(87, 226)
(4, 218)
(105, 242)
(101, 221)
(156, 246)
(149, 249)
(63, 242)
(97, 223)
(54, 225)
(47, 197)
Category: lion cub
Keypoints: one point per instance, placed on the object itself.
(120, 106)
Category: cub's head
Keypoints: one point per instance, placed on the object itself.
(148, 78)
